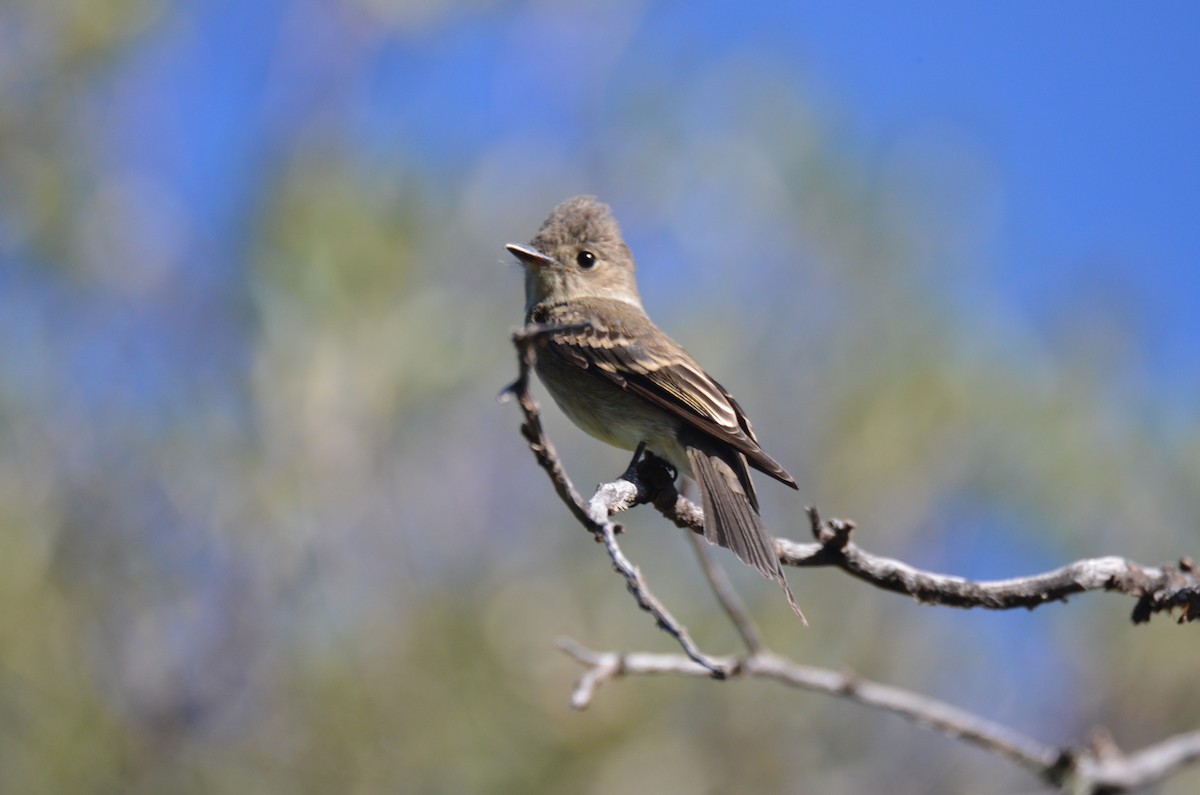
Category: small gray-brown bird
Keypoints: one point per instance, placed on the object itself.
(625, 382)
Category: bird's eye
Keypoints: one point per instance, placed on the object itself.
(586, 260)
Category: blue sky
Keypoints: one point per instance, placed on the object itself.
(1086, 114)
(1091, 112)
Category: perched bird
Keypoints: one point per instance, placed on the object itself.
(625, 382)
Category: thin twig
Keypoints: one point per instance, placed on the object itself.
(532, 429)
(731, 603)
(649, 602)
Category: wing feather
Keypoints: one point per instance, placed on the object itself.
(636, 356)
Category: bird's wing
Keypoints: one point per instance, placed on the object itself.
(639, 358)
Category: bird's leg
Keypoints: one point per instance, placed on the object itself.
(648, 473)
(630, 473)
(656, 476)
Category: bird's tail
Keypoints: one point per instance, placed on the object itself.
(731, 516)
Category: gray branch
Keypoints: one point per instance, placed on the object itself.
(1158, 589)
(1100, 768)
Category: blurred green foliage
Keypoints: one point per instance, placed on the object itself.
(327, 563)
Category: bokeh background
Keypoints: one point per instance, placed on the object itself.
(264, 527)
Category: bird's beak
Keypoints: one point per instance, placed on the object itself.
(530, 257)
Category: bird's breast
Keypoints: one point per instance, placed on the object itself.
(607, 412)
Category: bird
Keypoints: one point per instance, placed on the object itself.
(622, 380)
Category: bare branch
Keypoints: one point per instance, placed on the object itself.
(1158, 589)
(922, 710)
(608, 499)
(532, 430)
(1074, 769)
(1116, 772)
(648, 602)
(1161, 589)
